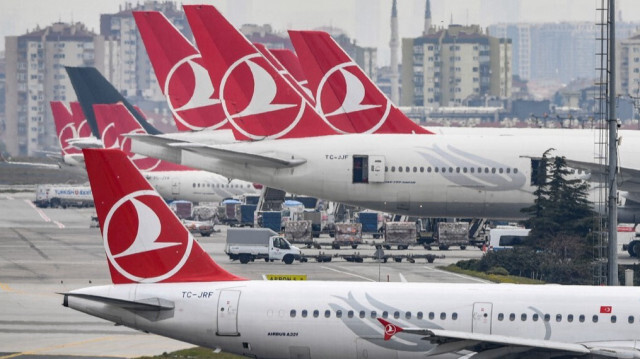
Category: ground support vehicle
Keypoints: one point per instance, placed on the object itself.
(249, 244)
(58, 195)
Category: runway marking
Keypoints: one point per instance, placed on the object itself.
(61, 346)
(60, 225)
(9, 197)
(6, 288)
(351, 274)
(402, 278)
(458, 275)
(38, 210)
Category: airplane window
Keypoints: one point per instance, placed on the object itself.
(558, 317)
(512, 317)
(457, 169)
(386, 169)
(515, 170)
(396, 314)
(194, 185)
(614, 319)
(407, 315)
(429, 169)
(419, 316)
(534, 317)
(547, 317)
(471, 169)
(435, 169)
(444, 170)
(508, 170)
(304, 313)
(338, 314)
(415, 169)
(399, 168)
(631, 319)
(500, 317)
(486, 170)
(595, 318)
(408, 169)
(479, 169)
(198, 185)
(292, 313)
(431, 315)
(450, 169)
(464, 170)
(570, 318)
(316, 313)
(493, 170)
(385, 314)
(454, 316)
(374, 314)
(393, 168)
(523, 317)
(327, 313)
(581, 318)
(362, 313)
(350, 314)
(500, 170)
(421, 169)
(443, 315)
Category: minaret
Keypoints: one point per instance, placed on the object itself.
(427, 18)
(393, 44)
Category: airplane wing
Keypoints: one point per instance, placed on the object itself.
(628, 178)
(272, 159)
(13, 164)
(491, 345)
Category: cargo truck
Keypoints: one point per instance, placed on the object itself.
(249, 244)
(54, 195)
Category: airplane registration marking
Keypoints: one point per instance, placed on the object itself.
(201, 295)
(336, 157)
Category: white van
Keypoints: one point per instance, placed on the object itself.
(504, 238)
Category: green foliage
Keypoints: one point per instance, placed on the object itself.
(558, 248)
(194, 353)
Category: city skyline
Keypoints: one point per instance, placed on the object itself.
(368, 22)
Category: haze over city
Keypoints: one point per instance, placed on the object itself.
(366, 21)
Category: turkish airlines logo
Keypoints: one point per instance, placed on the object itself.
(259, 108)
(189, 89)
(346, 104)
(150, 253)
(389, 330)
(83, 129)
(111, 140)
(68, 132)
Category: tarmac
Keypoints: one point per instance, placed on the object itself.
(48, 251)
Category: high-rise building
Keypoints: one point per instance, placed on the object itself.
(126, 63)
(451, 66)
(628, 67)
(36, 62)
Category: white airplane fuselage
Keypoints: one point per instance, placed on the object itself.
(338, 319)
(197, 186)
(485, 176)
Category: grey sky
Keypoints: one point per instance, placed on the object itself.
(365, 20)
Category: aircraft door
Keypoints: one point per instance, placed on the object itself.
(376, 169)
(175, 186)
(481, 318)
(228, 312)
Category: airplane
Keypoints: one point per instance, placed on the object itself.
(165, 283)
(462, 176)
(114, 121)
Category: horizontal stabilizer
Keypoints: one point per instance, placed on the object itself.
(272, 160)
(150, 304)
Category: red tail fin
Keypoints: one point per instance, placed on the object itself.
(343, 92)
(84, 130)
(256, 99)
(144, 240)
(283, 71)
(181, 74)
(114, 122)
(65, 127)
(290, 61)
(389, 328)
